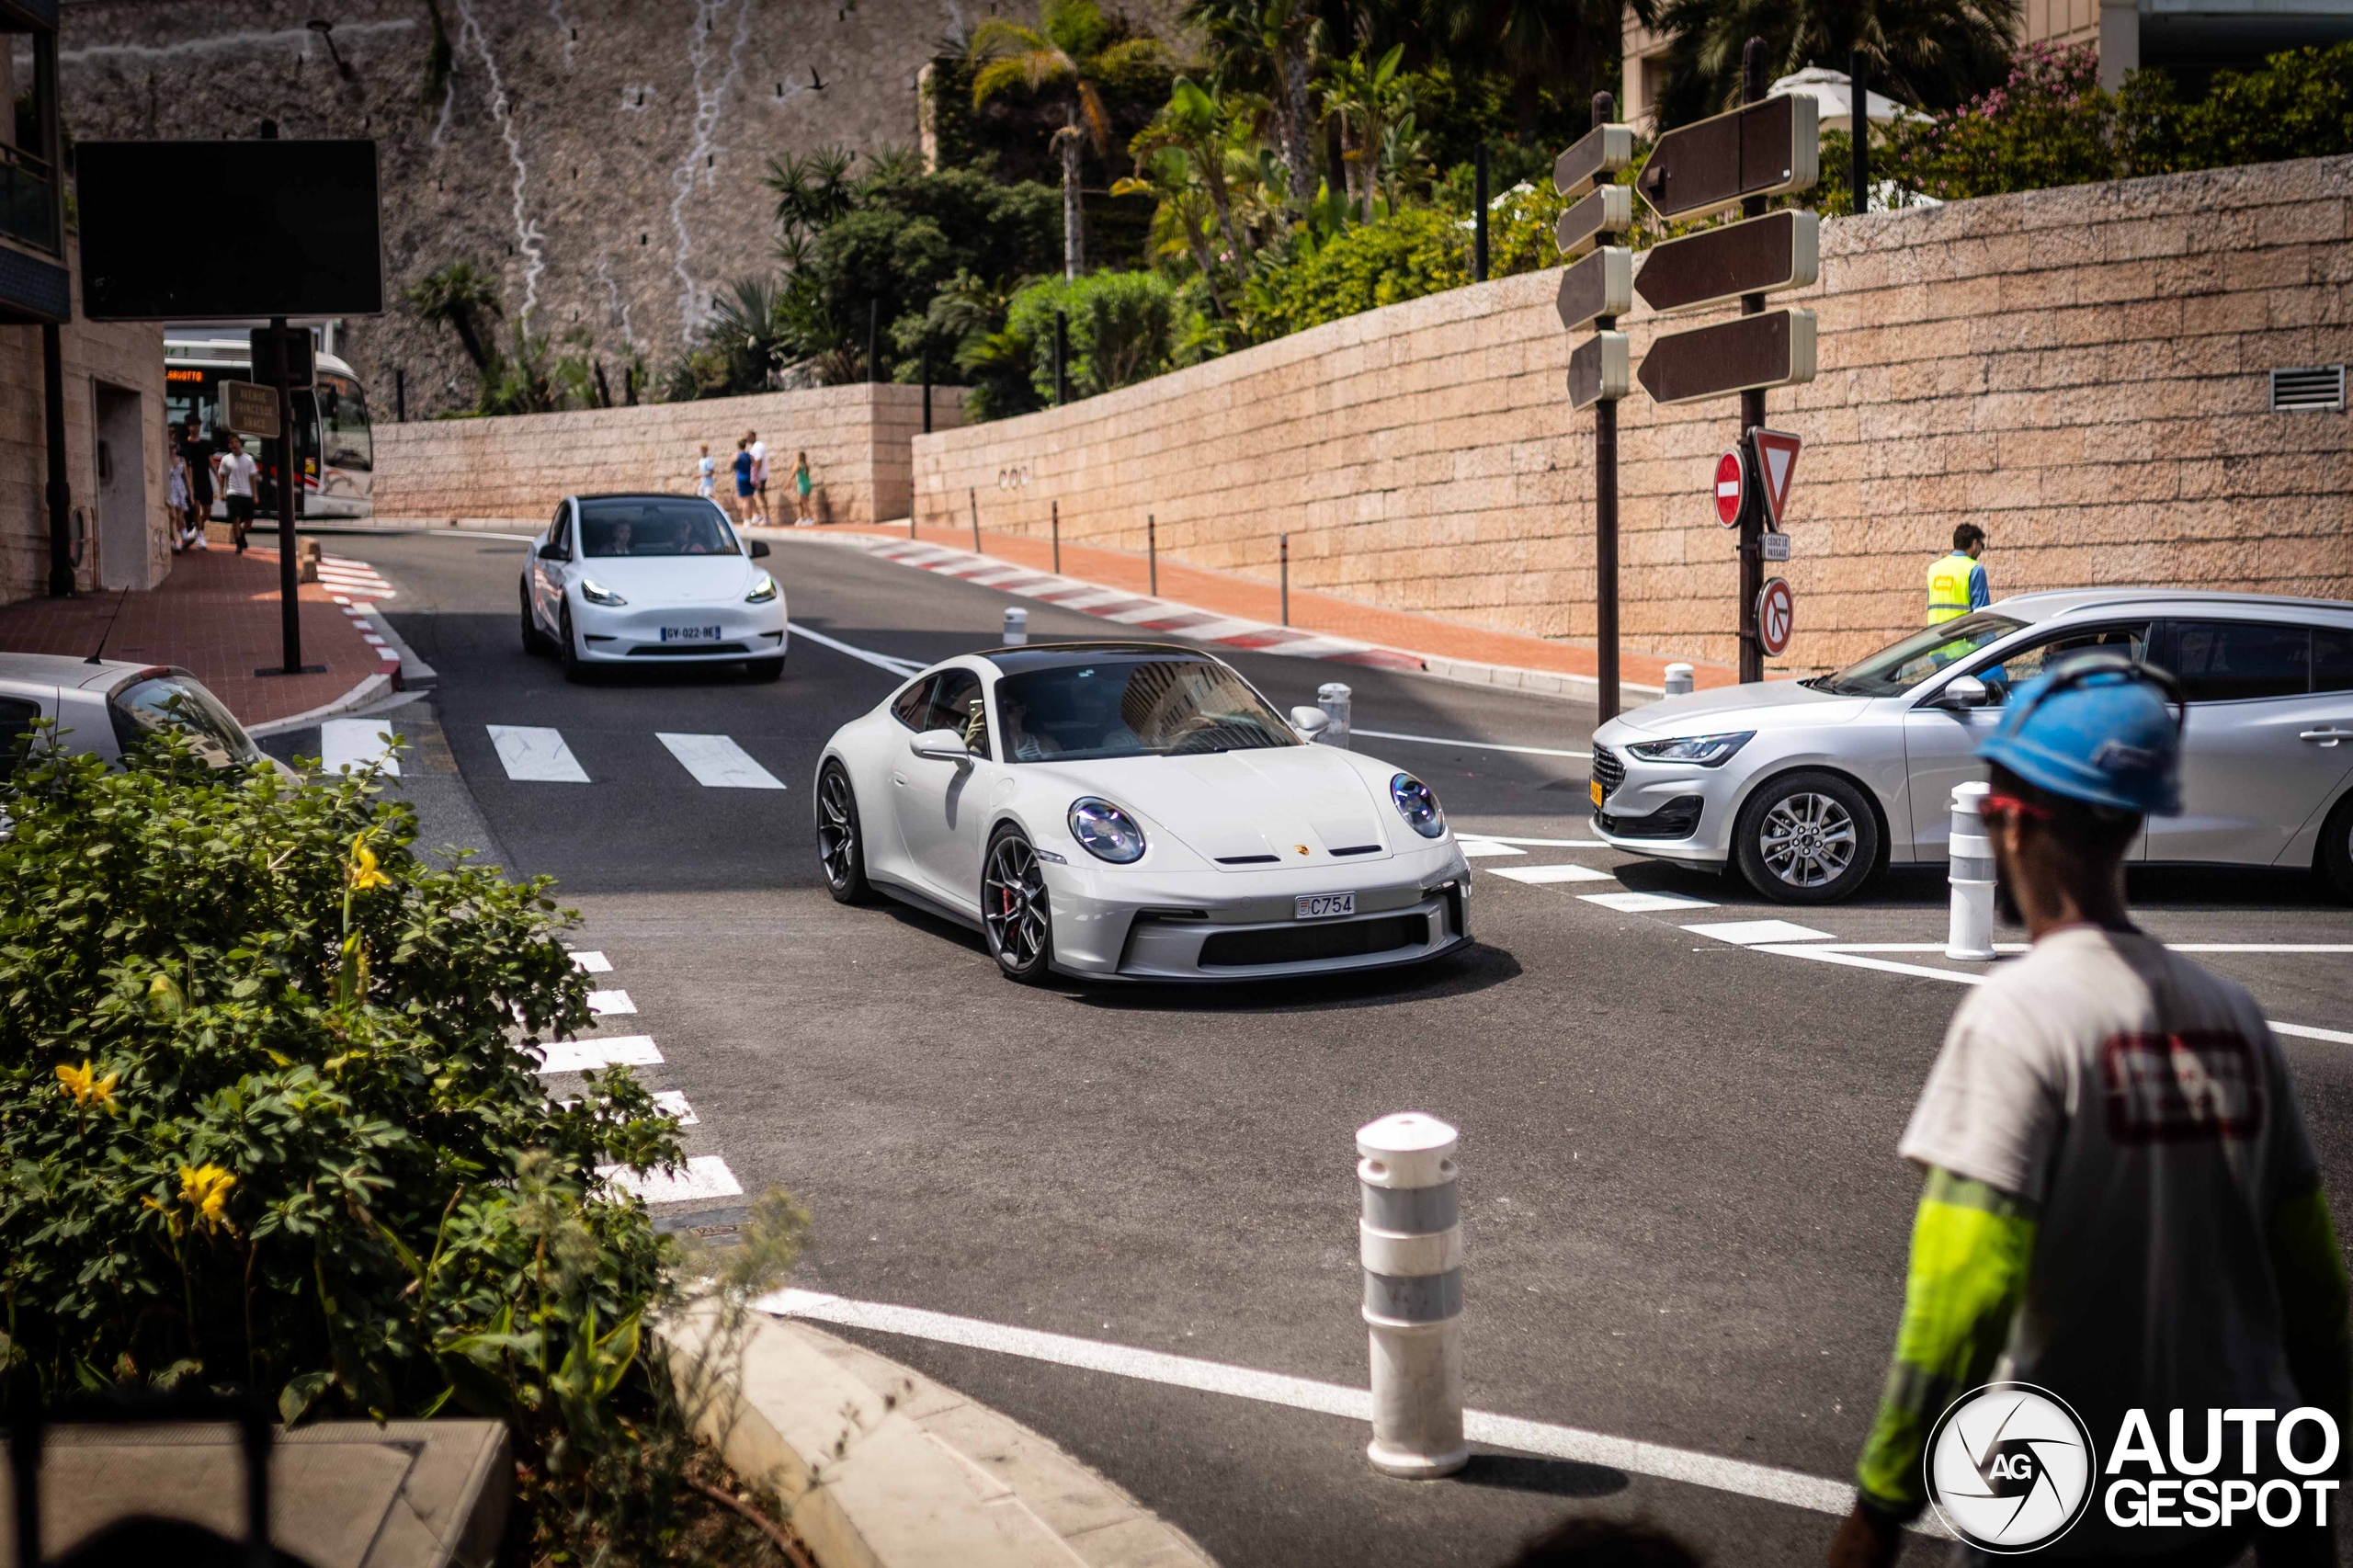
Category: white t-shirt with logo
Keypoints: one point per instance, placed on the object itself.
(2142, 1105)
(237, 470)
(759, 462)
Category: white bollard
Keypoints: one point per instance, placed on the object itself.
(1410, 1239)
(1678, 680)
(1016, 627)
(1970, 870)
(1333, 698)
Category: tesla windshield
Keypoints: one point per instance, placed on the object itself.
(1117, 706)
(654, 525)
(1894, 671)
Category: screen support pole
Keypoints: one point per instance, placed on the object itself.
(290, 609)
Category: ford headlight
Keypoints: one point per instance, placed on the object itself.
(1106, 832)
(763, 592)
(596, 593)
(1699, 751)
(1417, 805)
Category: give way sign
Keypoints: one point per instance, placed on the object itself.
(1730, 481)
(1777, 461)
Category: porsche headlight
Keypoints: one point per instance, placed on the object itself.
(1417, 805)
(1106, 832)
(596, 593)
(1699, 751)
(763, 592)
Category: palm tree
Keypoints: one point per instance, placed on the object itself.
(1071, 50)
(1185, 209)
(1269, 46)
(1194, 125)
(1366, 99)
(459, 296)
(1934, 54)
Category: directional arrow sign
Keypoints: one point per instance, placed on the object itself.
(1780, 250)
(1600, 285)
(1600, 152)
(1609, 211)
(1597, 370)
(1762, 148)
(1775, 349)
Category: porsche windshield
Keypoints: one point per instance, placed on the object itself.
(1131, 707)
(1894, 671)
(654, 527)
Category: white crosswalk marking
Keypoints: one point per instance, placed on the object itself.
(706, 1176)
(717, 763)
(1472, 848)
(1643, 903)
(674, 1101)
(532, 754)
(603, 1002)
(1542, 874)
(355, 742)
(610, 1051)
(590, 961)
(1748, 933)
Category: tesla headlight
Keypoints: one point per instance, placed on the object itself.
(596, 593)
(1106, 832)
(1417, 805)
(763, 592)
(1699, 751)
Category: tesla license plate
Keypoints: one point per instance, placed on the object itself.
(1596, 788)
(690, 634)
(1326, 905)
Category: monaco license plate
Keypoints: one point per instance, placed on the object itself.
(1326, 905)
(1596, 788)
(690, 634)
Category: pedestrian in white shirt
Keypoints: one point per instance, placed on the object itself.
(237, 472)
(759, 475)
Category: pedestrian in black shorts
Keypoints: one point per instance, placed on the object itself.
(197, 453)
(237, 470)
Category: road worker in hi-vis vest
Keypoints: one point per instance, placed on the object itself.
(1957, 582)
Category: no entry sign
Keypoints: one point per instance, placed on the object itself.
(1730, 478)
(1776, 615)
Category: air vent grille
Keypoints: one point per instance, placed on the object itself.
(2309, 387)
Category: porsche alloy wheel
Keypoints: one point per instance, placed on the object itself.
(839, 849)
(1013, 909)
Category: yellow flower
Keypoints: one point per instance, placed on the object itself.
(86, 1087)
(361, 872)
(205, 1188)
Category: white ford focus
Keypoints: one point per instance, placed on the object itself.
(1135, 811)
(633, 579)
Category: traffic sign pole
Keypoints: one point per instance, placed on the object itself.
(1752, 414)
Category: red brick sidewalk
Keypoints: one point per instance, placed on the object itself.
(1225, 593)
(216, 617)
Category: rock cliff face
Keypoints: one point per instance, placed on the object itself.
(602, 158)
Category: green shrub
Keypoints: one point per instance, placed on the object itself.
(1402, 255)
(1124, 328)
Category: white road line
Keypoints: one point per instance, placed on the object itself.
(1748, 933)
(1472, 848)
(1472, 745)
(1575, 1444)
(475, 533)
(1644, 902)
(902, 667)
(590, 960)
(717, 763)
(1540, 875)
(2177, 946)
(355, 742)
(604, 1001)
(706, 1176)
(586, 1055)
(532, 754)
(1535, 843)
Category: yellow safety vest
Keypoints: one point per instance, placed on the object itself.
(1949, 588)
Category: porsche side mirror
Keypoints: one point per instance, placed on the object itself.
(940, 745)
(759, 549)
(1960, 694)
(1309, 721)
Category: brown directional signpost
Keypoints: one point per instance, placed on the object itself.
(1765, 148)
(1594, 292)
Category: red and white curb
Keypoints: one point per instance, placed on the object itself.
(703, 1177)
(1141, 611)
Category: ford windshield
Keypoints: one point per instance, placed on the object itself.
(1892, 671)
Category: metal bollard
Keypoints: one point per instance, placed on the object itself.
(1970, 870)
(1016, 627)
(1410, 1239)
(1678, 680)
(1333, 698)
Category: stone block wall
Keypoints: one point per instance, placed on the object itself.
(859, 439)
(2084, 373)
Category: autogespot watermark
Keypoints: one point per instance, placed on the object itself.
(2011, 1468)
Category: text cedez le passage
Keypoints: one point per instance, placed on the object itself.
(2205, 1503)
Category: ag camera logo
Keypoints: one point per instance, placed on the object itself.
(2011, 1468)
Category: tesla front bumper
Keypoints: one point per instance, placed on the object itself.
(1111, 923)
(1670, 811)
(648, 635)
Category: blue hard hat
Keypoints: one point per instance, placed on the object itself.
(2100, 728)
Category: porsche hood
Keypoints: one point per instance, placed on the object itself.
(1258, 810)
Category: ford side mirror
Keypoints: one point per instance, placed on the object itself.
(1961, 692)
(553, 551)
(1309, 721)
(759, 549)
(940, 745)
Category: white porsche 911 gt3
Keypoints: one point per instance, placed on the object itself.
(1133, 811)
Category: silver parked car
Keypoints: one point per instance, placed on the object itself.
(105, 707)
(1809, 786)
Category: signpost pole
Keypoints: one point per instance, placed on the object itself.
(290, 611)
(1479, 242)
(1752, 414)
(1605, 513)
(1859, 130)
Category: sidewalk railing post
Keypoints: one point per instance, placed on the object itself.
(974, 495)
(1678, 680)
(1285, 547)
(1016, 627)
(1058, 538)
(1336, 700)
(1151, 552)
(1410, 1240)
(1968, 869)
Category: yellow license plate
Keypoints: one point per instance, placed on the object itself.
(1596, 787)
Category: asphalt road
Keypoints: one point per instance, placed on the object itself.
(1684, 1217)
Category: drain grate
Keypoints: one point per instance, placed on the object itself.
(2308, 387)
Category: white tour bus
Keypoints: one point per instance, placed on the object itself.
(333, 447)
